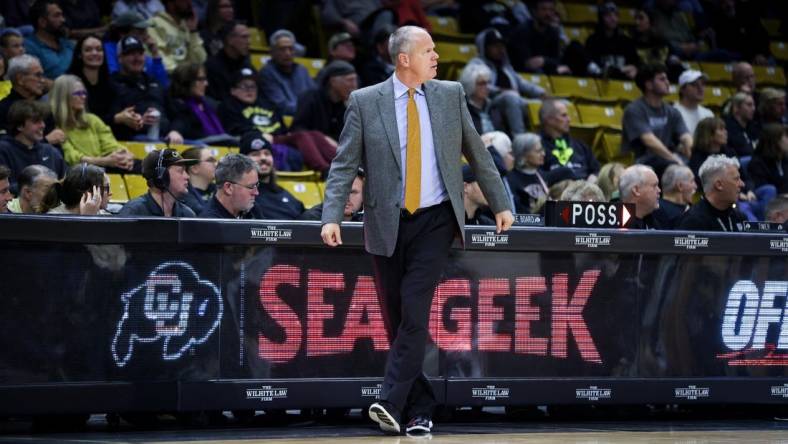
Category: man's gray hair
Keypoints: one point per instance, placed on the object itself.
(549, 107)
(21, 64)
(712, 167)
(31, 174)
(777, 205)
(471, 73)
(582, 191)
(279, 34)
(673, 175)
(400, 41)
(232, 167)
(631, 177)
(522, 145)
(739, 98)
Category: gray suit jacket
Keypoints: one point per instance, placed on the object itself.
(370, 139)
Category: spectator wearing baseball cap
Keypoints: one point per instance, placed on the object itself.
(341, 47)
(139, 105)
(273, 201)
(692, 86)
(323, 109)
(168, 181)
(222, 67)
(132, 23)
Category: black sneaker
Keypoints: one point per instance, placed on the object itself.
(383, 414)
(419, 425)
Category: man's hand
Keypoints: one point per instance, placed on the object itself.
(332, 238)
(503, 221)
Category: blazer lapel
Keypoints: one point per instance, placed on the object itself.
(388, 115)
(437, 105)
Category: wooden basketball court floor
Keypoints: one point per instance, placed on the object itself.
(488, 428)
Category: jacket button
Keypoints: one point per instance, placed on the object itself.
(396, 204)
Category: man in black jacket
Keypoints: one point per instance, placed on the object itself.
(233, 57)
(26, 145)
(168, 182)
(273, 201)
(722, 183)
(237, 181)
(323, 109)
(135, 88)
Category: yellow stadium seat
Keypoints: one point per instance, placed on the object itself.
(717, 72)
(303, 185)
(609, 116)
(312, 65)
(259, 60)
(117, 186)
(626, 16)
(607, 148)
(257, 40)
(575, 87)
(580, 13)
(444, 25)
(141, 149)
(533, 114)
(136, 185)
(538, 79)
(779, 50)
(455, 52)
(220, 151)
(772, 27)
(620, 90)
(716, 96)
(579, 34)
(673, 95)
(770, 75)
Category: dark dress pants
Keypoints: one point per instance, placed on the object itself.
(406, 283)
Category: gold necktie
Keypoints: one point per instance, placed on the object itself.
(413, 154)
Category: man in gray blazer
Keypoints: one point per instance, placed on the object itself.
(409, 133)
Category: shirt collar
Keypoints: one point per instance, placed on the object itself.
(401, 89)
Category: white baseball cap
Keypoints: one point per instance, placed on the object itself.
(690, 76)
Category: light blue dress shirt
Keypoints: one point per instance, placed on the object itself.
(433, 191)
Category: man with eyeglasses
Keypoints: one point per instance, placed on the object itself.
(233, 57)
(28, 83)
(236, 181)
(273, 201)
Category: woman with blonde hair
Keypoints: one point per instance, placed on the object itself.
(88, 138)
(608, 180)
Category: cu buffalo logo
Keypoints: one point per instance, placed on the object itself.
(173, 306)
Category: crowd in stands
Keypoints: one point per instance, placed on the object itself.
(84, 79)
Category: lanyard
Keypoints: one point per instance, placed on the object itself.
(724, 228)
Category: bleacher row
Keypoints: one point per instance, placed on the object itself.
(596, 105)
(305, 185)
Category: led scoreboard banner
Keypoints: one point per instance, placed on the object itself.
(163, 314)
(589, 214)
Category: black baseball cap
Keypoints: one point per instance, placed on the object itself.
(129, 44)
(171, 157)
(254, 141)
(243, 74)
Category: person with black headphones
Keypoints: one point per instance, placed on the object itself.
(165, 171)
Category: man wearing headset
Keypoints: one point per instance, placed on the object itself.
(168, 181)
